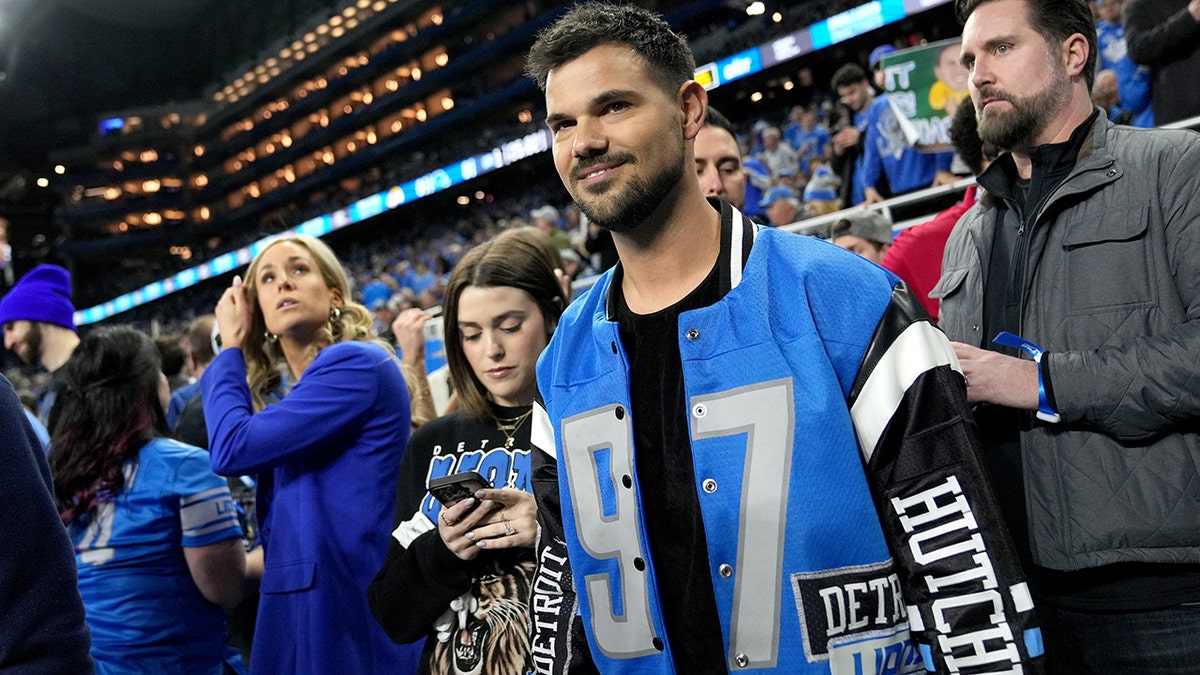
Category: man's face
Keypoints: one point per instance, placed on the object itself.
(781, 212)
(854, 95)
(1018, 82)
(385, 315)
(618, 140)
(1107, 94)
(867, 249)
(1110, 11)
(950, 71)
(24, 338)
(719, 165)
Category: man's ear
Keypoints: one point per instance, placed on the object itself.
(1075, 51)
(693, 107)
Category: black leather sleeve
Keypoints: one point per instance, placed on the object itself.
(967, 599)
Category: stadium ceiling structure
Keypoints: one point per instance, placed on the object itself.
(65, 62)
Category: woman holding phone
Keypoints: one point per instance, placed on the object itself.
(459, 572)
(305, 396)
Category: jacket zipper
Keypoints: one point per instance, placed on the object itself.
(1025, 244)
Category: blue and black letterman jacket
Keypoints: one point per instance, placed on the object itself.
(849, 525)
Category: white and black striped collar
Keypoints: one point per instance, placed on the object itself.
(736, 243)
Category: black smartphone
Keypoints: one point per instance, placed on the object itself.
(452, 489)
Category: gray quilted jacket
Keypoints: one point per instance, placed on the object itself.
(1113, 296)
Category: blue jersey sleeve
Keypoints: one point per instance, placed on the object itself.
(207, 513)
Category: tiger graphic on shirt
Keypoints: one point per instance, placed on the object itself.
(485, 630)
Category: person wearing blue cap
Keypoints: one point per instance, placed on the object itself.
(781, 206)
(876, 61)
(39, 323)
(821, 193)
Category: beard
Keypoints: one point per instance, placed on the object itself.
(1018, 128)
(34, 346)
(631, 205)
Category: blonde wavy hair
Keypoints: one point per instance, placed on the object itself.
(265, 363)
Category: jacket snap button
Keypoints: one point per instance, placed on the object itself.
(693, 334)
(726, 570)
(710, 485)
(742, 660)
(620, 413)
(699, 410)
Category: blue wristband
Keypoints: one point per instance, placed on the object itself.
(1006, 339)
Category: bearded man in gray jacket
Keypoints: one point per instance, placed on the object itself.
(1073, 291)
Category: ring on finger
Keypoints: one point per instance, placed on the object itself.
(508, 528)
(446, 520)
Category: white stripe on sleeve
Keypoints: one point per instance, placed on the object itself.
(919, 348)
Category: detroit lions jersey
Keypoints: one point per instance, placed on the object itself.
(145, 612)
(848, 523)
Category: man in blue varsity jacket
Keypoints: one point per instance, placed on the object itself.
(755, 451)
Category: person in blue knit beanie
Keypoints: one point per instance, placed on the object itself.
(39, 319)
(39, 324)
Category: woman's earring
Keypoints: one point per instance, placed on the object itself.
(270, 337)
(335, 315)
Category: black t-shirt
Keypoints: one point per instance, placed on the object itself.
(671, 505)
(671, 508)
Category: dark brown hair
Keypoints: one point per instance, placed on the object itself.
(108, 409)
(590, 25)
(521, 258)
(1055, 21)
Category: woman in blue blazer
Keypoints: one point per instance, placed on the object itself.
(305, 396)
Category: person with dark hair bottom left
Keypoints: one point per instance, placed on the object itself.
(461, 573)
(156, 535)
